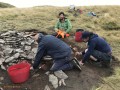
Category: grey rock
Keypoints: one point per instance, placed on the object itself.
(1, 78)
(19, 50)
(54, 80)
(47, 87)
(1, 54)
(8, 51)
(27, 48)
(1, 60)
(61, 74)
(31, 56)
(21, 34)
(23, 55)
(2, 41)
(28, 43)
(9, 59)
(36, 75)
(11, 64)
(34, 50)
(16, 55)
(4, 34)
(2, 67)
(23, 43)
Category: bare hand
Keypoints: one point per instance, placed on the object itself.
(81, 63)
(78, 53)
(31, 68)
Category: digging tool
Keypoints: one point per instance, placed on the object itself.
(36, 70)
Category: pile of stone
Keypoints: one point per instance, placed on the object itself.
(16, 46)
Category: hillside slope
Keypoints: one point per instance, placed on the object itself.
(5, 5)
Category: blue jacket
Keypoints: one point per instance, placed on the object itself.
(50, 45)
(96, 43)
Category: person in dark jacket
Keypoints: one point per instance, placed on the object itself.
(57, 49)
(98, 48)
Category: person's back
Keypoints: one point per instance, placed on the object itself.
(55, 47)
(100, 44)
(97, 47)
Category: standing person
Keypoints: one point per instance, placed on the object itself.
(98, 49)
(63, 24)
(57, 49)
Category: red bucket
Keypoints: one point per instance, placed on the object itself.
(19, 73)
(78, 35)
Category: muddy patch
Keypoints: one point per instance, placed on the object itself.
(90, 77)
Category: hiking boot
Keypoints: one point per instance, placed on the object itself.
(76, 64)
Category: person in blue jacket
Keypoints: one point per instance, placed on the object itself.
(57, 49)
(98, 48)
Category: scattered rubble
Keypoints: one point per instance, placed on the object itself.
(16, 46)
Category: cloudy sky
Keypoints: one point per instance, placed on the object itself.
(31, 3)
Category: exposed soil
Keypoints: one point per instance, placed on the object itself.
(90, 76)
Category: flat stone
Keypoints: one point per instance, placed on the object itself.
(8, 51)
(34, 50)
(16, 55)
(35, 75)
(1, 60)
(2, 41)
(1, 54)
(27, 48)
(47, 87)
(1, 78)
(54, 80)
(4, 34)
(9, 59)
(23, 55)
(31, 56)
(61, 74)
(19, 50)
(2, 67)
(23, 43)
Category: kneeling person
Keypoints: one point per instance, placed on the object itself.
(98, 49)
(57, 49)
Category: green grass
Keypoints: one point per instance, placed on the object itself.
(44, 18)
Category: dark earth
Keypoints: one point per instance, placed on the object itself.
(90, 76)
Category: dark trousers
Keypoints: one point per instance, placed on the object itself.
(62, 63)
(104, 58)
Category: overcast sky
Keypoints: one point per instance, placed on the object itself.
(31, 3)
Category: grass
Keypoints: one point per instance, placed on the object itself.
(44, 18)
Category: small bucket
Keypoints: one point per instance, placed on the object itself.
(78, 35)
(19, 73)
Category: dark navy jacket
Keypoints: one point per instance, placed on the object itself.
(50, 45)
(96, 43)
